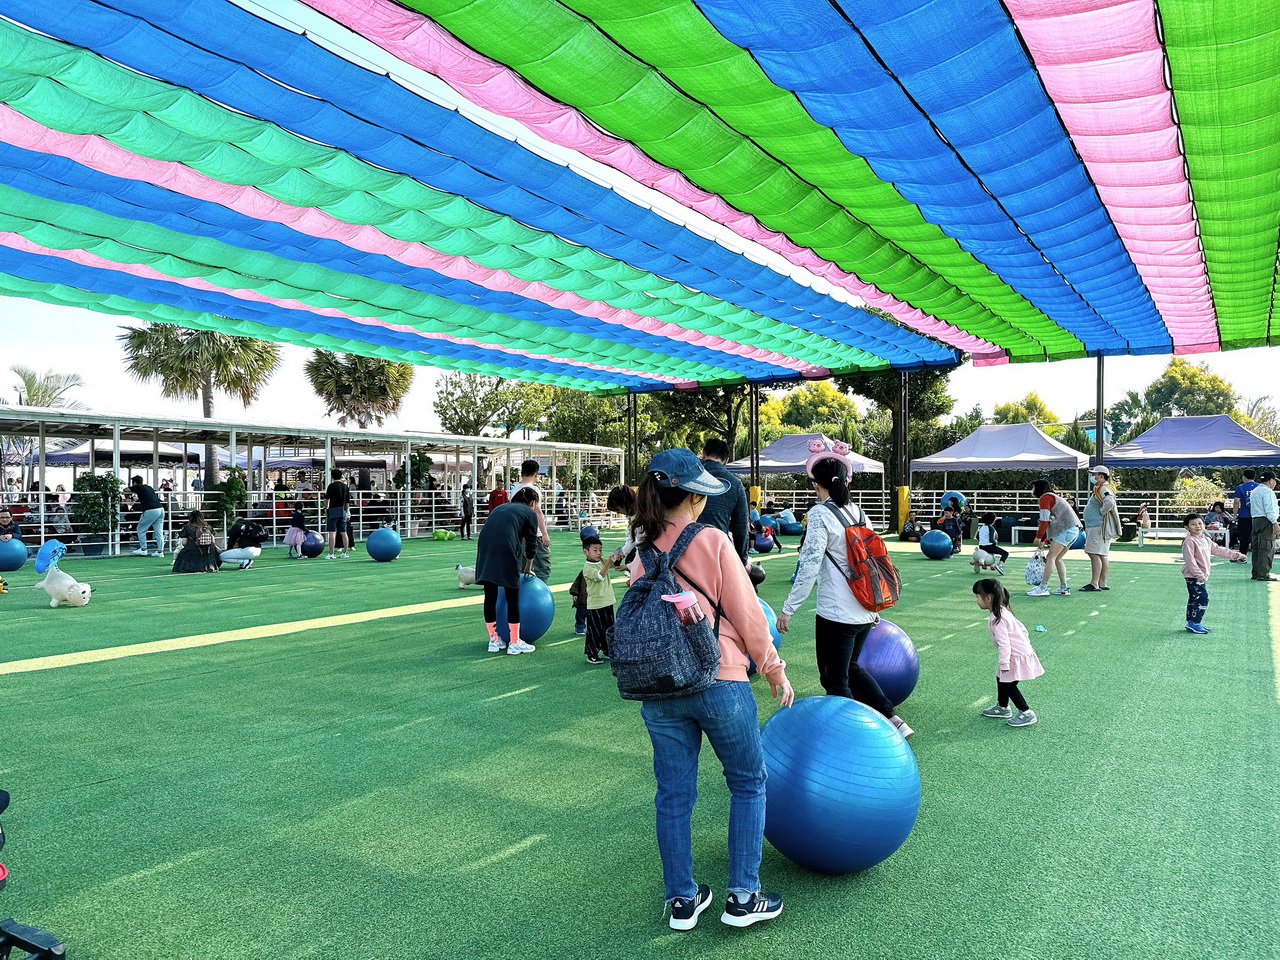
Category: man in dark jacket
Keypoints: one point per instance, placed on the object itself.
(726, 511)
(152, 518)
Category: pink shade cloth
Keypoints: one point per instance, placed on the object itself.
(101, 154)
(426, 45)
(1102, 63)
(88, 259)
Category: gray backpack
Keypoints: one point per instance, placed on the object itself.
(653, 655)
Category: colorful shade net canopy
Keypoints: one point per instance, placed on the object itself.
(636, 195)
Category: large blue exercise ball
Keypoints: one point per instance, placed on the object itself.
(891, 658)
(843, 789)
(537, 610)
(936, 545)
(384, 544)
(771, 619)
(589, 530)
(1079, 544)
(946, 497)
(13, 554)
(312, 545)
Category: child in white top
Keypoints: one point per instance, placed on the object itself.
(1016, 660)
(1196, 551)
(987, 541)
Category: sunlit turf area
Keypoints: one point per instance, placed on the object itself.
(324, 761)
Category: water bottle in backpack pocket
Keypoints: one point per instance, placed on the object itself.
(662, 648)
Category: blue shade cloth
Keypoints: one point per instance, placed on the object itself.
(46, 269)
(1195, 442)
(1038, 223)
(62, 180)
(458, 156)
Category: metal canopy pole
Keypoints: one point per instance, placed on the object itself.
(114, 537)
(631, 459)
(901, 455)
(1099, 446)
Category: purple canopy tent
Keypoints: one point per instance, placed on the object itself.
(1195, 442)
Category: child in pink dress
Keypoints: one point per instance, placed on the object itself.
(1016, 659)
(1196, 551)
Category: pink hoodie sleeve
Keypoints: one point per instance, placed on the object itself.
(1000, 636)
(1220, 551)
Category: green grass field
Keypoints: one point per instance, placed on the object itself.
(349, 774)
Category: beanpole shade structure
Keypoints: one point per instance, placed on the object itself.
(637, 195)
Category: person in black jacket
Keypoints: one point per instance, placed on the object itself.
(504, 551)
(244, 543)
(152, 518)
(727, 511)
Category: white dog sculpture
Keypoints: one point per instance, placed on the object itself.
(64, 589)
(466, 575)
(982, 560)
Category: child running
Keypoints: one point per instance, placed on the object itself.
(297, 532)
(1196, 551)
(595, 573)
(1016, 660)
(987, 541)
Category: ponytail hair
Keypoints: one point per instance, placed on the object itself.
(995, 590)
(651, 506)
(832, 473)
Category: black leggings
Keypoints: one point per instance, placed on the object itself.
(838, 671)
(996, 551)
(491, 603)
(1009, 691)
(464, 528)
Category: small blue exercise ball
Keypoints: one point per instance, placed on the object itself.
(537, 610)
(843, 789)
(13, 554)
(771, 619)
(312, 545)
(891, 658)
(936, 545)
(384, 544)
(1079, 544)
(944, 500)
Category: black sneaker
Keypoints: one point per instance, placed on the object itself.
(761, 906)
(685, 910)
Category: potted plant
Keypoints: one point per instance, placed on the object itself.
(233, 495)
(96, 511)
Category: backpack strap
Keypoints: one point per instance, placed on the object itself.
(846, 520)
(649, 557)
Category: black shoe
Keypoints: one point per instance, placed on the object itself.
(1089, 588)
(761, 906)
(1266, 579)
(685, 910)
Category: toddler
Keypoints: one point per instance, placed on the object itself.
(987, 541)
(297, 532)
(595, 572)
(1196, 551)
(1016, 660)
(949, 523)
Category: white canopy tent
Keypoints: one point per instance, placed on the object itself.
(1003, 446)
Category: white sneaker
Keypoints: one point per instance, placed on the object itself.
(496, 646)
(521, 647)
(158, 553)
(901, 726)
(246, 564)
(1040, 591)
(331, 556)
(344, 555)
(999, 567)
(141, 553)
(1062, 592)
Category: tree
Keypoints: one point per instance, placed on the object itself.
(814, 403)
(467, 403)
(192, 364)
(34, 389)
(1030, 409)
(686, 416)
(1260, 416)
(366, 390)
(1076, 437)
(523, 405)
(1190, 390)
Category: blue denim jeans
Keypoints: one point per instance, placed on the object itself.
(726, 713)
(150, 520)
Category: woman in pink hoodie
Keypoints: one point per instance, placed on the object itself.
(1196, 551)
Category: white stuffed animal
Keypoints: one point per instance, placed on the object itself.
(982, 560)
(64, 589)
(466, 575)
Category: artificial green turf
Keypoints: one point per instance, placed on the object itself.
(389, 790)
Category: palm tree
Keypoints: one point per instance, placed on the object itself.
(364, 389)
(35, 389)
(192, 364)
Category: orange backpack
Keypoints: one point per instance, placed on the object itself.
(872, 577)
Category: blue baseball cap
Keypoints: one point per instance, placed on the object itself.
(682, 469)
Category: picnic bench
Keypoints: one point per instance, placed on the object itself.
(1178, 533)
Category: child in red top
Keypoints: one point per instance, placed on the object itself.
(1196, 551)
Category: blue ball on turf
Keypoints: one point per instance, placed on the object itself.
(1079, 544)
(384, 544)
(13, 554)
(771, 619)
(843, 789)
(945, 500)
(312, 545)
(537, 610)
(936, 545)
(891, 658)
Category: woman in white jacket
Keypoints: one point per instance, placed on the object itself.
(842, 623)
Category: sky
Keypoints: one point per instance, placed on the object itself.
(68, 340)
